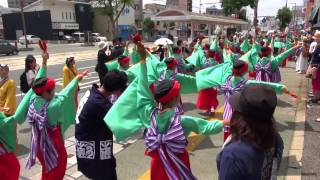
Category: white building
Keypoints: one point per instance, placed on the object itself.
(62, 13)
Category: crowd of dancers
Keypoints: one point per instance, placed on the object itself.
(142, 88)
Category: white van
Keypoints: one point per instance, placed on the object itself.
(78, 36)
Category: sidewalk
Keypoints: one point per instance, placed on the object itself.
(311, 154)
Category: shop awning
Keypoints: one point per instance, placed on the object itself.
(314, 16)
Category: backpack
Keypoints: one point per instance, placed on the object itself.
(24, 86)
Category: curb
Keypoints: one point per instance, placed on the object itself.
(296, 149)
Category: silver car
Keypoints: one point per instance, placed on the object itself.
(7, 48)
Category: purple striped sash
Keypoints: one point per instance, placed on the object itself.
(276, 75)
(263, 72)
(180, 64)
(38, 124)
(163, 76)
(228, 91)
(208, 62)
(172, 141)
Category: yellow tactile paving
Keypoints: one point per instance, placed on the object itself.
(194, 140)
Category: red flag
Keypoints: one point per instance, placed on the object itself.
(43, 46)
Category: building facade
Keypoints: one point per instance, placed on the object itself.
(50, 19)
(4, 10)
(297, 22)
(126, 24)
(213, 10)
(138, 13)
(184, 5)
(16, 3)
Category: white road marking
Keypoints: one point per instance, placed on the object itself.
(88, 67)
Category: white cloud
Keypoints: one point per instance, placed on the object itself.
(3, 3)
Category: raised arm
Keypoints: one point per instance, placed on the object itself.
(22, 110)
(278, 59)
(200, 126)
(188, 83)
(145, 102)
(279, 88)
(213, 76)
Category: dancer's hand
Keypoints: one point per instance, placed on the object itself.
(285, 90)
(142, 52)
(82, 75)
(4, 109)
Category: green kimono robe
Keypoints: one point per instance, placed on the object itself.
(217, 76)
(138, 102)
(245, 46)
(61, 110)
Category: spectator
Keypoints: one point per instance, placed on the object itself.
(255, 149)
(69, 73)
(7, 91)
(103, 53)
(303, 57)
(314, 65)
(31, 69)
(316, 41)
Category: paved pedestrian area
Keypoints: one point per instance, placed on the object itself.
(311, 154)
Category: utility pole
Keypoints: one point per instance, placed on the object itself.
(294, 16)
(23, 23)
(200, 7)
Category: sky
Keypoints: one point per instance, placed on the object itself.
(266, 7)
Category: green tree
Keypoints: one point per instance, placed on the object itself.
(111, 9)
(232, 6)
(284, 15)
(148, 25)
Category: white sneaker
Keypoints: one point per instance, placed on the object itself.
(318, 120)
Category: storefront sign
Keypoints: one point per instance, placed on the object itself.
(73, 26)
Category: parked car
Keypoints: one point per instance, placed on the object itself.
(78, 36)
(7, 48)
(97, 37)
(31, 39)
(69, 39)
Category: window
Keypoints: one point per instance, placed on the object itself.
(136, 7)
(70, 15)
(74, 16)
(66, 15)
(62, 15)
(158, 23)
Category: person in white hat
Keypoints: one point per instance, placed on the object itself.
(105, 50)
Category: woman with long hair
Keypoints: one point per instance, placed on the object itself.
(69, 73)
(31, 69)
(254, 149)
